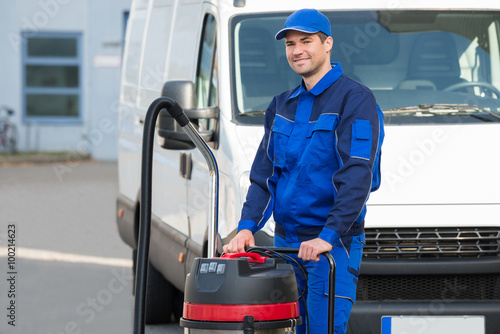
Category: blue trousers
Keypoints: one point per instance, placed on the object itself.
(347, 254)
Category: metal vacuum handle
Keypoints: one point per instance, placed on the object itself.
(213, 169)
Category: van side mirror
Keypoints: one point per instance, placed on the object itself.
(171, 136)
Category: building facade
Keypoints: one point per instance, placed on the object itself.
(61, 68)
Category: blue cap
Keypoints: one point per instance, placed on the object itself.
(306, 20)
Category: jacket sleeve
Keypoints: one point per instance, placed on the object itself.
(259, 203)
(357, 138)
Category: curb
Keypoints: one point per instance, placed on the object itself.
(42, 158)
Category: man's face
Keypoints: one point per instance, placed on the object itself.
(306, 54)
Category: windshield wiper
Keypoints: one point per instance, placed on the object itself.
(442, 109)
(253, 113)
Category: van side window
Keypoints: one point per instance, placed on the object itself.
(207, 74)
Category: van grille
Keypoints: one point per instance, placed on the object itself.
(419, 243)
(429, 287)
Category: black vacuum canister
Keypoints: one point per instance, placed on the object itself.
(242, 292)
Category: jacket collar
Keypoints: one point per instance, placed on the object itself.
(325, 82)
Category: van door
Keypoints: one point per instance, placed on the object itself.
(169, 189)
(169, 198)
(207, 96)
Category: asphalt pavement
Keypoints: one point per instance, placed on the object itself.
(63, 267)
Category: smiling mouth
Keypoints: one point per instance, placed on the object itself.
(300, 60)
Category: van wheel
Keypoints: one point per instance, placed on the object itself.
(160, 295)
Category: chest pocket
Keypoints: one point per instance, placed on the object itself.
(281, 131)
(320, 143)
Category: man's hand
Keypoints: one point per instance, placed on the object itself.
(310, 250)
(243, 239)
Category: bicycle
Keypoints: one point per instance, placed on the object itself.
(8, 130)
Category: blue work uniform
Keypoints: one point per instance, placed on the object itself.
(316, 165)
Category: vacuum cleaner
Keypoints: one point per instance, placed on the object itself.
(251, 292)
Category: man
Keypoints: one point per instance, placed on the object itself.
(315, 167)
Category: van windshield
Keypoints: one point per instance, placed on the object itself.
(422, 66)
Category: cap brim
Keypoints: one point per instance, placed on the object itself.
(282, 33)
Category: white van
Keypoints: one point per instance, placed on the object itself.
(432, 255)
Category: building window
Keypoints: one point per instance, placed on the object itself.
(52, 77)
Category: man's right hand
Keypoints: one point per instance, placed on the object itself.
(243, 239)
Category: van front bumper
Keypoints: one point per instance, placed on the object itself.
(366, 316)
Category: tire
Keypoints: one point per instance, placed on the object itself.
(160, 295)
(178, 305)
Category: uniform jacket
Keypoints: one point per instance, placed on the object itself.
(318, 161)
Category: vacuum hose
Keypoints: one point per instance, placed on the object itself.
(145, 217)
